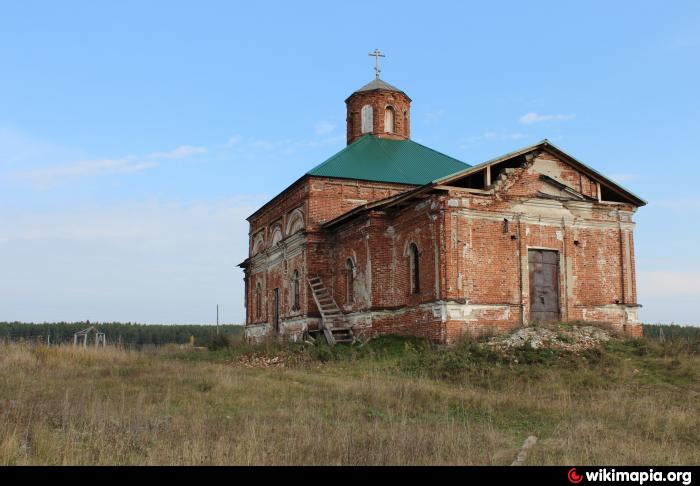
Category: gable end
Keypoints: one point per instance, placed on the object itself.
(485, 176)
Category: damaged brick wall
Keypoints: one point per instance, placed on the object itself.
(474, 269)
(378, 243)
(593, 241)
(317, 200)
(473, 247)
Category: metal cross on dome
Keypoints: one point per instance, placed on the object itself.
(377, 54)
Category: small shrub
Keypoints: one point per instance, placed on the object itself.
(392, 347)
(218, 341)
(322, 352)
(451, 363)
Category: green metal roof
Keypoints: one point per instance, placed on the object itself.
(378, 159)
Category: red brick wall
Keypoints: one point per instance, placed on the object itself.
(470, 261)
(330, 197)
(379, 100)
(412, 321)
(378, 245)
(588, 240)
(320, 200)
(279, 210)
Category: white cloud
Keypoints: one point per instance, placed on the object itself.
(46, 165)
(285, 146)
(233, 140)
(530, 118)
(141, 262)
(324, 128)
(179, 153)
(666, 283)
(47, 176)
(669, 296)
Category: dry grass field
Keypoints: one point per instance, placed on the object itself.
(393, 401)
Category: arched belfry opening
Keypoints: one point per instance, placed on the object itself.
(389, 119)
(378, 109)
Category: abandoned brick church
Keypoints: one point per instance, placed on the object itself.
(389, 236)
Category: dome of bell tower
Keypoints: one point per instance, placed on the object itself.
(379, 109)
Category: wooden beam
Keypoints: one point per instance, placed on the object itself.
(465, 189)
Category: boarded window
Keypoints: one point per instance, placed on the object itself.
(276, 309)
(389, 120)
(367, 119)
(414, 270)
(349, 281)
(258, 300)
(295, 290)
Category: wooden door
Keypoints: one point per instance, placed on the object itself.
(544, 285)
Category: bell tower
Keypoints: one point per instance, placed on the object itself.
(378, 109)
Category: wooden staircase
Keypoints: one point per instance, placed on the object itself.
(334, 324)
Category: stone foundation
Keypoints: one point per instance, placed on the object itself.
(443, 322)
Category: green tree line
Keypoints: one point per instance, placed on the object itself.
(125, 333)
(672, 332)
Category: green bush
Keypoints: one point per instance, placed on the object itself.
(451, 363)
(218, 341)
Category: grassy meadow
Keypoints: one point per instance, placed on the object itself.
(391, 401)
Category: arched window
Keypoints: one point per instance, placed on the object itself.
(276, 236)
(367, 119)
(258, 243)
(414, 270)
(295, 222)
(258, 300)
(349, 281)
(295, 290)
(389, 120)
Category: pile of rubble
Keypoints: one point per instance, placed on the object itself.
(253, 361)
(569, 338)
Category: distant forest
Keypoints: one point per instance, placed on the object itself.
(130, 334)
(127, 334)
(672, 331)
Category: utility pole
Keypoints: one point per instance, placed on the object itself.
(217, 319)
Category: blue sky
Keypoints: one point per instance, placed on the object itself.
(135, 137)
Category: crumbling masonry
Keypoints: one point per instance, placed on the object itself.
(389, 236)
